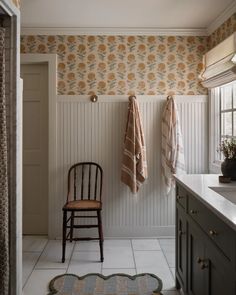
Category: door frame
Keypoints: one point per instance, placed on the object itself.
(51, 61)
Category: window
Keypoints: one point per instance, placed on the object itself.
(228, 111)
(222, 120)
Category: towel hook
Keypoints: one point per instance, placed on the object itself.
(94, 98)
(169, 97)
(132, 96)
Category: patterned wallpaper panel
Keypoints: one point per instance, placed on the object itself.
(17, 3)
(224, 31)
(124, 65)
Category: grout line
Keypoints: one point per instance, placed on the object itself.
(88, 251)
(26, 281)
(135, 266)
(32, 251)
(147, 250)
(51, 268)
(101, 269)
(69, 261)
(118, 268)
(163, 252)
(122, 267)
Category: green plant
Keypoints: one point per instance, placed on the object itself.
(228, 148)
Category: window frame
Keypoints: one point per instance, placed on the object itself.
(231, 110)
(215, 126)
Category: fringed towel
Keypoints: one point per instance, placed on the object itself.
(172, 151)
(134, 165)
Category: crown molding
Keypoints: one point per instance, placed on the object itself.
(227, 13)
(112, 31)
(152, 31)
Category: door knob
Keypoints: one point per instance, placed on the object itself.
(199, 260)
(181, 232)
(193, 211)
(212, 232)
(203, 265)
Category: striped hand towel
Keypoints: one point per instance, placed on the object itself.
(134, 165)
(172, 151)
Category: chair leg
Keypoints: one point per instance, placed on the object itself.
(101, 239)
(71, 226)
(64, 236)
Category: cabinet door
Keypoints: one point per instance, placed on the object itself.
(181, 247)
(221, 277)
(198, 276)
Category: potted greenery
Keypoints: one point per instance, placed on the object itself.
(228, 149)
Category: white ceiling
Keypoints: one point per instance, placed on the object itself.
(162, 14)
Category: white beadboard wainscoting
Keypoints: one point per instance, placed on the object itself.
(89, 131)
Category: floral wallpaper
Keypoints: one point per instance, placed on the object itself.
(17, 3)
(224, 31)
(124, 65)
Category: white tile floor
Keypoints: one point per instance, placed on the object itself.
(42, 260)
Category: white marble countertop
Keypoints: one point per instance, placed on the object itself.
(200, 186)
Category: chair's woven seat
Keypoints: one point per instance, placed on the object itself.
(83, 205)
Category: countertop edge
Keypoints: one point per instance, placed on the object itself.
(210, 206)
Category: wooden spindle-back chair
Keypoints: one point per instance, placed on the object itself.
(84, 194)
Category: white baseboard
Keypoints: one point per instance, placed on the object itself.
(139, 232)
(131, 232)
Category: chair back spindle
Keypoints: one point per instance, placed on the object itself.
(89, 182)
(85, 181)
(75, 181)
(82, 184)
(95, 189)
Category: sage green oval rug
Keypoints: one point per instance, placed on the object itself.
(97, 284)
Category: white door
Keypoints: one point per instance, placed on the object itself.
(35, 148)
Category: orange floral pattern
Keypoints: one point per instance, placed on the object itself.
(124, 65)
(224, 31)
(17, 3)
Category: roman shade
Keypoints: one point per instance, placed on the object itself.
(220, 64)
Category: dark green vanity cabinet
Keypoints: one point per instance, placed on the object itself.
(205, 248)
(181, 247)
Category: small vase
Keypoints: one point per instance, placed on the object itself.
(228, 168)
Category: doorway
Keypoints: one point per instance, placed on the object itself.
(35, 148)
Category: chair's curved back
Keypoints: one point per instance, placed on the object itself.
(85, 181)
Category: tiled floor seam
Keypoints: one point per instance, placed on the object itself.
(72, 252)
(104, 268)
(148, 250)
(163, 252)
(86, 251)
(135, 266)
(167, 261)
(35, 264)
(32, 252)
